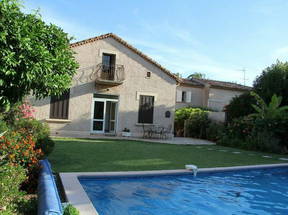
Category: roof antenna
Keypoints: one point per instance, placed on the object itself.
(244, 75)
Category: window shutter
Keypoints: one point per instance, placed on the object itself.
(188, 96)
(146, 109)
(59, 106)
(178, 95)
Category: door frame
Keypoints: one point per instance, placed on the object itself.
(104, 114)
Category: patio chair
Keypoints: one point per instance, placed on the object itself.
(147, 132)
(157, 131)
(166, 132)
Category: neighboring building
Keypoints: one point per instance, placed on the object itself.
(207, 93)
(116, 87)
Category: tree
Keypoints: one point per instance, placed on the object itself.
(271, 110)
(240, 106)
(35, 57)
(197, 75)
(178, 75)
(273, 80)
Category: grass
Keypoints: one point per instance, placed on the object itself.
(85, 155)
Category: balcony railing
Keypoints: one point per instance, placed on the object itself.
(110, 74)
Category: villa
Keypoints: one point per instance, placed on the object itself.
(117, 88)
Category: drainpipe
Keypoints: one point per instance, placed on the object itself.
(206, 91)
(206, 95)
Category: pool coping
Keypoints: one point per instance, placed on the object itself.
(77, 196)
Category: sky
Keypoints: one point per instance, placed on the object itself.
(218, 38)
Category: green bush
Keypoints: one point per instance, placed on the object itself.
(257, 133)
(12, 115)
(196, 122)
(70, 210)
(40, 131)
(240, 106)
(11, 177)
(21, 150)
(3, 126)
(27, 206)
(214, 131)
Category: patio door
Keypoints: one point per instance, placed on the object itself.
(104, 115)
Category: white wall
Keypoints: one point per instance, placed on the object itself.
(219, 98)
(194, 94)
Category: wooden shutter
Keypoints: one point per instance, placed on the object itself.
(188, 96)
(59, 106)
(146, 109)
(178, 96)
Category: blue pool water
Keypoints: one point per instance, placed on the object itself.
(260, 192)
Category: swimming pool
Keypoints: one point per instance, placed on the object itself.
(260, 191)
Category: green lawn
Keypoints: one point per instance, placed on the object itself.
(81, 155)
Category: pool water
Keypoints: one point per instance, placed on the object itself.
(260, 192)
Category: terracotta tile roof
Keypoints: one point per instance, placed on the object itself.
(217, 84)
(123, 42)
(192, 82)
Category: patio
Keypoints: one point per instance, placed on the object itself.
(174, 140)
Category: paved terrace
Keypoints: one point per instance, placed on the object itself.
(174, 140)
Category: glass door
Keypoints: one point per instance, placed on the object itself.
(98, 116)
(110, 116)
(104, 115)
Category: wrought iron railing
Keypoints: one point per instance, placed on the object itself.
(100, 73)
(113, 73)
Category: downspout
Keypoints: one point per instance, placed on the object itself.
(205, 93)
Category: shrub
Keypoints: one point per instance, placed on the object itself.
(40, 131)
(11, 176)
(197, 123)
(70, 210)
(263, 134)
(20, 150)
(3, 126)
(240, 106)
(214, 131)
(196, 118)
(237, 131)
(14, 113)
(27, 110)
(27, 205)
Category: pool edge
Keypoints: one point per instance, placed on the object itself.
(77, 196)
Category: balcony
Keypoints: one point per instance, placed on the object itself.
(110, 75)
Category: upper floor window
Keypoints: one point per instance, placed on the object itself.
(184, 96)
(108, 66)
(146, 109)
(148, 74)
(59, 106)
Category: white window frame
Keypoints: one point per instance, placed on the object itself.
(104, 113)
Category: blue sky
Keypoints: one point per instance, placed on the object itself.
(215, 37)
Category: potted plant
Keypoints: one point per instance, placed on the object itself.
(126, 132)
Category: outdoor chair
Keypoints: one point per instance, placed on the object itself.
(157, 131)
(166, 132)
(147, 131)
